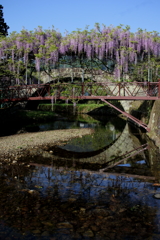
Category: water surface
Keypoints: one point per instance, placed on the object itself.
(64, 194)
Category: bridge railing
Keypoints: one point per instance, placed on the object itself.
(80, 90)
(107, 89)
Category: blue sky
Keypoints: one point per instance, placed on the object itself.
(72, 14)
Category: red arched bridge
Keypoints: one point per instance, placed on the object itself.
(85, 90)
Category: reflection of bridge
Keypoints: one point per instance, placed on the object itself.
(125, 143)
(126, 146)
(90, 90)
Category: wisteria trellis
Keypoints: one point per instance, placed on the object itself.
(47, 46)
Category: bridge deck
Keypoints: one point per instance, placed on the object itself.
(81, 98)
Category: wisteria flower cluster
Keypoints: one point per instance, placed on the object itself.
(48, 46)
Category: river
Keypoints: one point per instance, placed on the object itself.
(100, 186)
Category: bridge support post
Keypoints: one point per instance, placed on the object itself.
(137, 121)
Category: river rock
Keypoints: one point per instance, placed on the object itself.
(88, 233)
(157, 195)
(64, 225)
(45, 234)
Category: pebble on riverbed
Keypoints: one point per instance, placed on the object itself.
(13, 149)
(157, 195)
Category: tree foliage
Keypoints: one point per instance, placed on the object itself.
(114, 50)
(3, 26)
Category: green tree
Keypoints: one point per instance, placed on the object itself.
(3, 26)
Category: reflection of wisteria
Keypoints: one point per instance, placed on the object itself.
(88, 185)
(84, 184)
(36, 198)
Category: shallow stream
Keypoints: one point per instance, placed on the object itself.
(73, 191)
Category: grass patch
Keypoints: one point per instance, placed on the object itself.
(63, 107)
(27, 115)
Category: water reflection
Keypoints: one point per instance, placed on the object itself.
(104, 134)
(60, 193)
(60, 203)
(61, 124)
(100, 148)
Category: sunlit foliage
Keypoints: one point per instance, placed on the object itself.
(114, 50)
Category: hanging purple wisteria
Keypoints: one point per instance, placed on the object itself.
(46, 47)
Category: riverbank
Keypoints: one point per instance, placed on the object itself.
(14, 146)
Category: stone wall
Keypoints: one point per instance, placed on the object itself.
(154, 123)
(72, 73)
(130, 105)
(98, 76)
